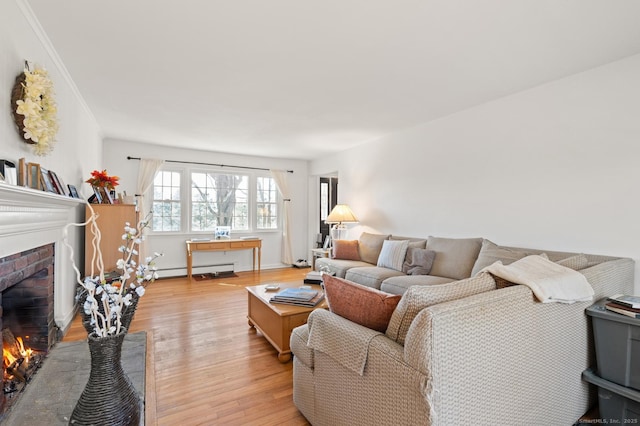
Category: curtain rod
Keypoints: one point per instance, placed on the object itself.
(208, 164)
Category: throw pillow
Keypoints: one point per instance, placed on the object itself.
(455, 257)
(370, 246)
(491, 252)
(577, 262)
(418, 297)
(392, 254)
(346, 249)
(418, 261)
(363, 305)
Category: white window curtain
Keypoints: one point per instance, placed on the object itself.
(281, 179)
(146, 174)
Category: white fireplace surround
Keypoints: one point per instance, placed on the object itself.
(30, 219)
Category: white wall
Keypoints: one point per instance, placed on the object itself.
(79, 141)
(555, 167)
(173, 247)
(79, 145)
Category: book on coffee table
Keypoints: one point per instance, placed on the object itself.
(306, 303)
(296, 293)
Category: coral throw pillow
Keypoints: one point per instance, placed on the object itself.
(363, 305)
(346, 249)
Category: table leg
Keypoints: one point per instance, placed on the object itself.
(284, 357)
(259, 257)
(189, 263)
(254, 258)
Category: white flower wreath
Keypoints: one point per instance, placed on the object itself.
(37, 109)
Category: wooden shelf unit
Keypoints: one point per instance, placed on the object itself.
(111, 221)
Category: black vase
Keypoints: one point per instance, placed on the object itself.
(109, 398)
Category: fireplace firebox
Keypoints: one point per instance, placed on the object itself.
(27, 320)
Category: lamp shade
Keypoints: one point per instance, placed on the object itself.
(341, 213)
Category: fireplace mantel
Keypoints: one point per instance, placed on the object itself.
(31, 218)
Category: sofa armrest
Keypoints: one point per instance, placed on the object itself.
(444, 326)
(346, 342)
(504, 355)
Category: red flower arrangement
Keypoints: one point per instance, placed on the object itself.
(103, 180)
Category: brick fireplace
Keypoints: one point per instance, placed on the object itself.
(26, 297)
(37, 280)
(31, 241)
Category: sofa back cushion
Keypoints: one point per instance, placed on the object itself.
(455, 257)
(413, 242)
(393, 254)
(363, 305)
(416, 298)
(345, 249)
(577, 262)
(491, 253)
(370, 245)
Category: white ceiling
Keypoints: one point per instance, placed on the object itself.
(301, 79)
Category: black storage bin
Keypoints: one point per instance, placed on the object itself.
(617, 404)
(617, 342)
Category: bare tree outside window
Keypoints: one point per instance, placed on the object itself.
(242, 202)
(219, 200)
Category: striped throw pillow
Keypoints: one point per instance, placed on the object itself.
(392, 254)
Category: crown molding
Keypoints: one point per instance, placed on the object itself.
(33, 21)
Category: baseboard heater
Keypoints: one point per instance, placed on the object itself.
(214, 268)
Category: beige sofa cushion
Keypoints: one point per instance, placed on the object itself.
(419, 297)
(371, 276)
(491, 253)
(413, 242)
(338, 266)
(577, 262)
(455, 257)
(370, 246)
(400, 284)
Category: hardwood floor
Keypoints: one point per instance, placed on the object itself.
(205, 365)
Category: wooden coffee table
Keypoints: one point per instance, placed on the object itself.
(276, 321)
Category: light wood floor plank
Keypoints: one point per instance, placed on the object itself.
(205, 365)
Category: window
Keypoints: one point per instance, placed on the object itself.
(219, 200)
(191, 200)
(166, 201)
(266, 203)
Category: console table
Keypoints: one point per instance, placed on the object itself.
(223, 245)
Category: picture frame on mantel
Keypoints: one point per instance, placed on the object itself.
(47, 184)
(34, 178)
(73, 191)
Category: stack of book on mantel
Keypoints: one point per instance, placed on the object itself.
(624, 304)
(298, 296)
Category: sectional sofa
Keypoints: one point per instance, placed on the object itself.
(458, 349)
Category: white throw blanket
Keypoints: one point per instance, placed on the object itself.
(549, 281)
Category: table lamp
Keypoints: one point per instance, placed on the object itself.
(340, 215)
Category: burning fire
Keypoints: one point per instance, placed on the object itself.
(19, 363)
(11, 355)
